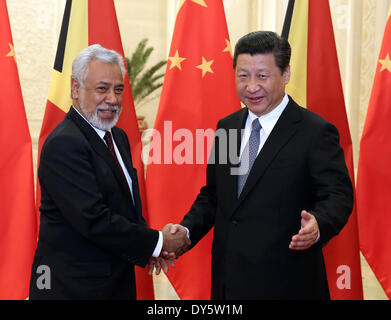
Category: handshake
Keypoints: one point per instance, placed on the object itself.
(175, 243)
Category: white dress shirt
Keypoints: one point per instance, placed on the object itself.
(267, 121)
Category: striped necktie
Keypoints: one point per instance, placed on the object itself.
(109, 140)
(249, 154)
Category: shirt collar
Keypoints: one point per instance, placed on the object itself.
(101, 133)
(269, 119)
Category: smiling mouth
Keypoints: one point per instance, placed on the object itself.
(255, 99)
(107, 112)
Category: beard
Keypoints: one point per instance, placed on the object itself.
(96, 121)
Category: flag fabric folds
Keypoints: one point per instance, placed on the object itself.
(18, 237)
(316, 84)
(374, 175)
(198, 90)
(87, 22)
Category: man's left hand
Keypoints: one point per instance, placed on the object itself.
(307, 234)
(158, 264)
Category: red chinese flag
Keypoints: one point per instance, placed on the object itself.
(87, 22)
(316, 85)
(198, 90)
(18, 237)
(374, 172)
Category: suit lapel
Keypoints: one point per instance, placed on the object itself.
(127, 159)
(234, 130)
(100, 147)
(283, 131)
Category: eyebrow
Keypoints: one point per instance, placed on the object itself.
(109, 84)
(258, 70)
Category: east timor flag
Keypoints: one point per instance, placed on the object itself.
(87, 22)
(316, 84)
(374, 174)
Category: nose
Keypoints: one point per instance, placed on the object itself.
(253, 86)
(111, 97)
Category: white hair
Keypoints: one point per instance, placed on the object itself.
(94, 52)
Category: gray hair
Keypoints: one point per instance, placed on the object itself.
(94, 52)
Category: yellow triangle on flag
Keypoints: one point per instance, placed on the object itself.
(77, 40)
(298, 39)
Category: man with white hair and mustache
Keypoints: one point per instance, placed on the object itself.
(92, 232)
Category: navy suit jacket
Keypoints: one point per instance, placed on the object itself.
(300, 167)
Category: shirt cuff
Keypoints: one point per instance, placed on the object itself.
(187, 232)
(158, 248)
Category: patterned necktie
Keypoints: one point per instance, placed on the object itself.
(110, 145)
(249, 154)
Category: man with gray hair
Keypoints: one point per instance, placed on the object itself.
(92, 231)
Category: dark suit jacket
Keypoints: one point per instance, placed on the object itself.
(91, 234)
(301, 166)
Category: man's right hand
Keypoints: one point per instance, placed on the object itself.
(175, 242)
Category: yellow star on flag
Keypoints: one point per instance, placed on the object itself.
(200, 2)
(12, 52)
(386, 63)
(176, 61)
(205, 66)
(228, 48)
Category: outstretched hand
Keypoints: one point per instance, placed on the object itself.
(308, 233)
